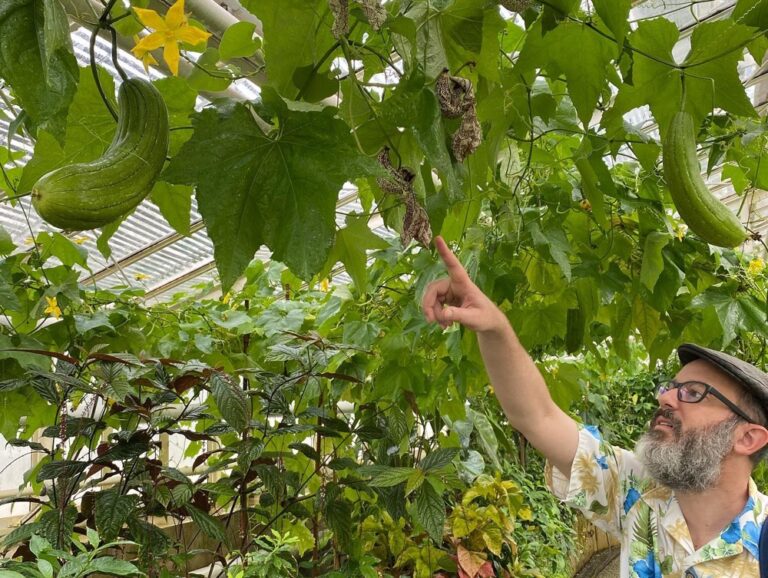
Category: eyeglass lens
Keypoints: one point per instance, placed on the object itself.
(690, 392)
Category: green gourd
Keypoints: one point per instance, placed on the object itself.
(90, 195)
(704, 214)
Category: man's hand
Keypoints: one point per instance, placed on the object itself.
(457, 298)
(516, 380)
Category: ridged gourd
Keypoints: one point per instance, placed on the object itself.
(704, 214)
(89, 195)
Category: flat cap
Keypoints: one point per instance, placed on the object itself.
(754, 380)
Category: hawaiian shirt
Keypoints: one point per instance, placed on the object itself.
(611, 487)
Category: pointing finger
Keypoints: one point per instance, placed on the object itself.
(455, 269)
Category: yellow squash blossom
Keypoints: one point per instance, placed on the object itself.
(168, 32)
(141, 276)
(53, 307)
(142, 54)
(756, 266)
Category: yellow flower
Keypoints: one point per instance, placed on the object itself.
(756, 266)
(53, 307)
(141, 276)
(169, 32)
(143, 54)
(80, 240)
(681, 231)
(225, 299)
(324, 285)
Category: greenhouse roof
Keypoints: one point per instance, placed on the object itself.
(147, 253)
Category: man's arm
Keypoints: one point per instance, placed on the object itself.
(518, 384)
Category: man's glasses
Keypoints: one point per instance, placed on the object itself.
(695, 391)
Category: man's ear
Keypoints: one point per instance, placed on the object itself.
(751, 439)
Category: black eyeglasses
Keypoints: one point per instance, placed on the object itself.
(695, 391)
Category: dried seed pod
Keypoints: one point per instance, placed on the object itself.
(516, 5)
(468, 137)
(374, 12)
(415, 223)
(340, 11)
(400, 181)
(454, 93)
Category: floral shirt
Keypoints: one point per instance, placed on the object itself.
(610, 486)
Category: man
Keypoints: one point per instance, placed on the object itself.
(684, 503)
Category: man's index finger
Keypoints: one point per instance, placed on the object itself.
(452, 263)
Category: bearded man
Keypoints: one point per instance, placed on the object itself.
(683, 504)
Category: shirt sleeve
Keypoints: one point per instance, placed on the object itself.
(597, 482)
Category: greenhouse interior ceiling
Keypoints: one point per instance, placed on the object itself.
(148, 253)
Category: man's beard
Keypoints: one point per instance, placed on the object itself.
(690, 461)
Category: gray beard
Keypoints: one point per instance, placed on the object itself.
(690, 461)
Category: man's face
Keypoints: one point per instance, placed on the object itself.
(687, 442)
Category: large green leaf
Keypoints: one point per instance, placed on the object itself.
(180, 101)
(438, 458)
(175, 203)
(430, 511)
(231, 401)
(736, 315)
(351, 248)
(53, 470)
(615, 14)
(710, 74)
(752, 13)
(56, 525)
(297, 34)
(712, 79)
(555, 51)
(654, 80)
(385, 476)
(586, 74)
(109, 565)
(647, 320)
(111, 511)
(37, 61)
(488, 439)
(277, 188)
(151, 538)
(57, 245)
(209, 525)
(653, 261)
(238, 41)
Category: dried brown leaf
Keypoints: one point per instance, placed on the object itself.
(516, 5)
(400, 181)
(374, 12)
(468, 137)
(454, 93)
(415, 223)
(340, 11)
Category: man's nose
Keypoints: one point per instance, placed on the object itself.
(668, 398)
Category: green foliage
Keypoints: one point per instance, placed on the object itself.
(273, 557)
(560, 216)
(51, 561)
(265, 175)
(37, 60)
